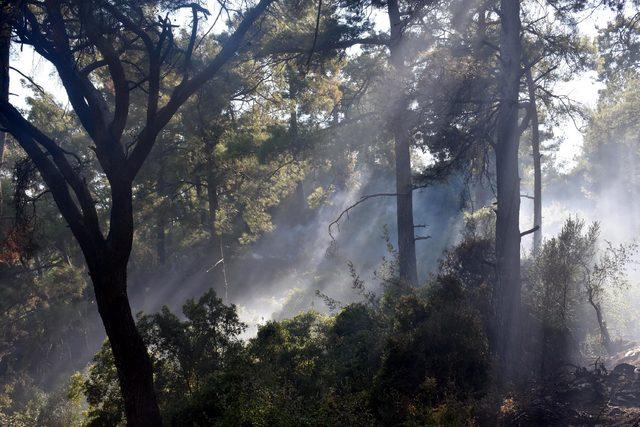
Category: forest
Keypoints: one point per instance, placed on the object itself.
(319, 213)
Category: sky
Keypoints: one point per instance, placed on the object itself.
(582, 89)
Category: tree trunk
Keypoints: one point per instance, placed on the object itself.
(129, 351)
(5, 46)
(602, 325)
(108, 269)
(508, 188)
(537, 170)
(408, 269)
(202, 203)
(161, 225)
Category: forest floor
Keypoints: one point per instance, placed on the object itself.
(597, 396)
(607, 393)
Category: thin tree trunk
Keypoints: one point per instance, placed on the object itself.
(202, 203)
(537, 170)
(408, 269)
(161, 225)
(508, 187)
(602, 325)
(5, 46)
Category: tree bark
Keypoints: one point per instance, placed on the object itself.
(537, 169)
(129, 351)
(602, 325)
(202, 202)
(109, 275)
(508, 187)
(408, 269)
(5, 46)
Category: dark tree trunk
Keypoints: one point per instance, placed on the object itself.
(108, 270)
(508, 290)
(408, 269)
(537, 170)
(404, 204)
(202, 203)
(5, 46)
(130, 354)
(602, 325)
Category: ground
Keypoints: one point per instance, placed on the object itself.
(607, 393)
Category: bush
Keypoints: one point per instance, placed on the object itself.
(437, 348)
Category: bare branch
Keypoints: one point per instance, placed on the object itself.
(30, 80)
(533, 230)
(362, 200)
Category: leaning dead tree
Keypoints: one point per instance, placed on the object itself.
(108, 53)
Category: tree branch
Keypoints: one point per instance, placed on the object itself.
(362, 200)
(22, 128)
(186, 89)
(533, 230)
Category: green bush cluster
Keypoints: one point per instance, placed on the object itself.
(400, 363)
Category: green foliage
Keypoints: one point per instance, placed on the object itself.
(286, 131)
(63, 407)
(557, 273)
(555, 295)
(363, 366)
(188, 356)
(567, 287)
(102, 390)
(437, 346)
(43, 329)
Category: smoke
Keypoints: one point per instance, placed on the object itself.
(309, 260)
(280, 275)
(602, 188)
